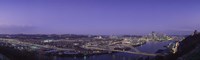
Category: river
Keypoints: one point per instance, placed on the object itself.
(149, 47)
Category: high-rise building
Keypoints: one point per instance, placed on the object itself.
(154, 36)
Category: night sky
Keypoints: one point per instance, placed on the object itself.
(99, 16)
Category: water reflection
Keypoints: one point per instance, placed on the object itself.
(150, 47)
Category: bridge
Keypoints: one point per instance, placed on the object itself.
(130, 52)
(12, 41)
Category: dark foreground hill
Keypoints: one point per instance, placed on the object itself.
(189, 49)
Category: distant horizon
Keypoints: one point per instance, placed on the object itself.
(89, 34)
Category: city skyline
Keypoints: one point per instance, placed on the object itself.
(99, 17)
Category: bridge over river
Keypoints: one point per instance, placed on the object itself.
(136, 51)
(130, 52)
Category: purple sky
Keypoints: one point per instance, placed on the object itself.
(99, 16)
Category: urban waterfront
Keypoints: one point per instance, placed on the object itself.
(99, 30)
(149, 47)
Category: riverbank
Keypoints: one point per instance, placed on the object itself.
(33, 55)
